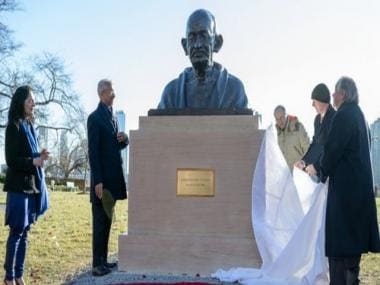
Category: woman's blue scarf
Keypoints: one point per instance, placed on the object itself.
(43, 196)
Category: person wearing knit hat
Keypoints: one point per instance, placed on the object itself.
(320, 97)
(351, 226)
(321, 93)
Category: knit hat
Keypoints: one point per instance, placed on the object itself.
(321, 93)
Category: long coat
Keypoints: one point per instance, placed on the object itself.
(105, 153)
(19, 159)
(351, 221)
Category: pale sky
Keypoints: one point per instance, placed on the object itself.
(280, 49)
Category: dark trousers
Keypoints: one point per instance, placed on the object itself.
(344, 270)
(101, 226)
(15, 255)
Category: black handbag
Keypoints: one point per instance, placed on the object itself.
(30, 185)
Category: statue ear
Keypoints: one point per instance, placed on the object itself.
(184, 45)
(218, 43)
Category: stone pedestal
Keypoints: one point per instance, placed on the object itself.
(174, 234)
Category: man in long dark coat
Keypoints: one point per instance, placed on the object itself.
(105, 143)
(351, 220)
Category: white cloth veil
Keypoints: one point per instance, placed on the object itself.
(288, 214)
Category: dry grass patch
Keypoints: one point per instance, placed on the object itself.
(60, 242)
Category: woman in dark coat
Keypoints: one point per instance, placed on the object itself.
(24, 183)
(351, 220)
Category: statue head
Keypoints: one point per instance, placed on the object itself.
(201, 40)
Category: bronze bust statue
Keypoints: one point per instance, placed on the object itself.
(207, 84)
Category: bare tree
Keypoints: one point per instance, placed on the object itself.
(71, 155)
(51, 85)
(7, 43)
(46, 74)
(74, 160)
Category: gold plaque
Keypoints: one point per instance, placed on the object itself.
(195, 182)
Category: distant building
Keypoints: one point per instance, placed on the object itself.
(3, 168)
(43, 136)
(120, 115)
(375, 153)
(63, 145)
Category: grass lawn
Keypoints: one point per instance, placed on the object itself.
(60, 242)
(370, 264)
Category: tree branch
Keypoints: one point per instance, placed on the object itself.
(54, 128)
(4, 109)
(8, 5)
(6, 84)
(5, 95)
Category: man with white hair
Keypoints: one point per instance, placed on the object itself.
(292, 137)
(351, 219)
(105, 143)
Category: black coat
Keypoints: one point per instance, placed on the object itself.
(21, 172)
(351, 221)
(321, 131)
(105, 154)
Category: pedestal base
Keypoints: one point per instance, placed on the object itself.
(181, 254)
(174, 234)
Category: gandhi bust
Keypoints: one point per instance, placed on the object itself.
(205, 85)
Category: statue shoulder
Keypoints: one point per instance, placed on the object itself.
(167, 96)
(235, 84)
(173, 94)
(232, 79)
(170, 86)
(235, 80)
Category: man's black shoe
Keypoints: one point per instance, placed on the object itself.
(100, 270)
(110, 264)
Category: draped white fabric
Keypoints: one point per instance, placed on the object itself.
(288, 214)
